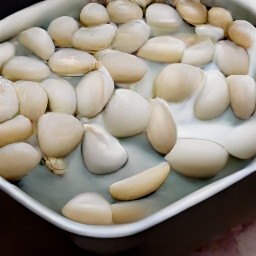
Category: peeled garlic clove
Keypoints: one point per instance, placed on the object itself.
(94, 14)
(38, 41)
(7, 51)
(123, 11)
(111, 156)
(25, 68)
(33, 99)
(176, 82)
(17, 160)
(213, 32)
(59, 134)
(214, 98)
(61, 95)
(17, 129)
(9, 102)
(242, 33)
(88, 208)
(197, 157)
(131, 36)
(161, 129)
(231, 58)
(123, 67)
(93, 92)
(192, 12)
(142, 3)
(242, 91)
(127, 113)
(71, 62)
(141, 184)
(61, 30)
(166, 49)
(56, 165)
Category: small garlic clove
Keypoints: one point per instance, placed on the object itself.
(127, 113)
(213, 32)
(88, 208)
(197, 157)
(7, 51)
(111, 156)
(142, 3)
(161, 129)
(61, 95)
(141, 184)
(56, 165)
(214, 98)
(242, 90)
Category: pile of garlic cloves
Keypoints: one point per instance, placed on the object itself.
(109, 50)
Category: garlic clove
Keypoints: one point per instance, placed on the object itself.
(142, 3)
(56, 165)
(213, 32)
(7, 51)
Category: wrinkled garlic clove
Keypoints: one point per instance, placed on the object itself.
(15, 130)
(61, 30)
(17, 160)
(61, 95)
(242, 90)
(178, 81)
(25, 68)
(59, 134)
(161, 129)
(56, 165)
(214, 98)
(71, 62)
(98, 142)
(166, 49)
(7, 51)
(213, 32)
(38, 99)
(38, 41)
(93, 92)
(141, 184)
(197, 157)
(231, 58)
(127, 113)
(88, 208)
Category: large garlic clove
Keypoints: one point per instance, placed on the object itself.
(161, 129)
(25, 68)
(61, 95)
(71, 62)
(38, 41)
(197, 157)
(213, 32)
(15, 130)
(123, 67)
(131, 36)
(17, 160)
(7, 51)
(59, 134)
(9, 102)
(214, 98)
(123, 11)
(242, 90)
(231, 58)
(93, 92)
(61, 30)
(127, 113)
(111, 156)
(141, 184)
(166, 49)
(33, 99)
(56, 165)
(176, 82)
(88, 208)
(94, 38)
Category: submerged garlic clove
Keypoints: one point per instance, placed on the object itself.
(56, 165)
(7, 51)
(17, 160)
(242, 90)
(214, 98)
(88, 208)
(111, 155)
(141, 184)
(213, 32)
(161, 129)
(61, 95)
(127, 113)
(178, 81)
(197, 157)
(71, 62)
(59, 134)
(165, 49)
(33, 99)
